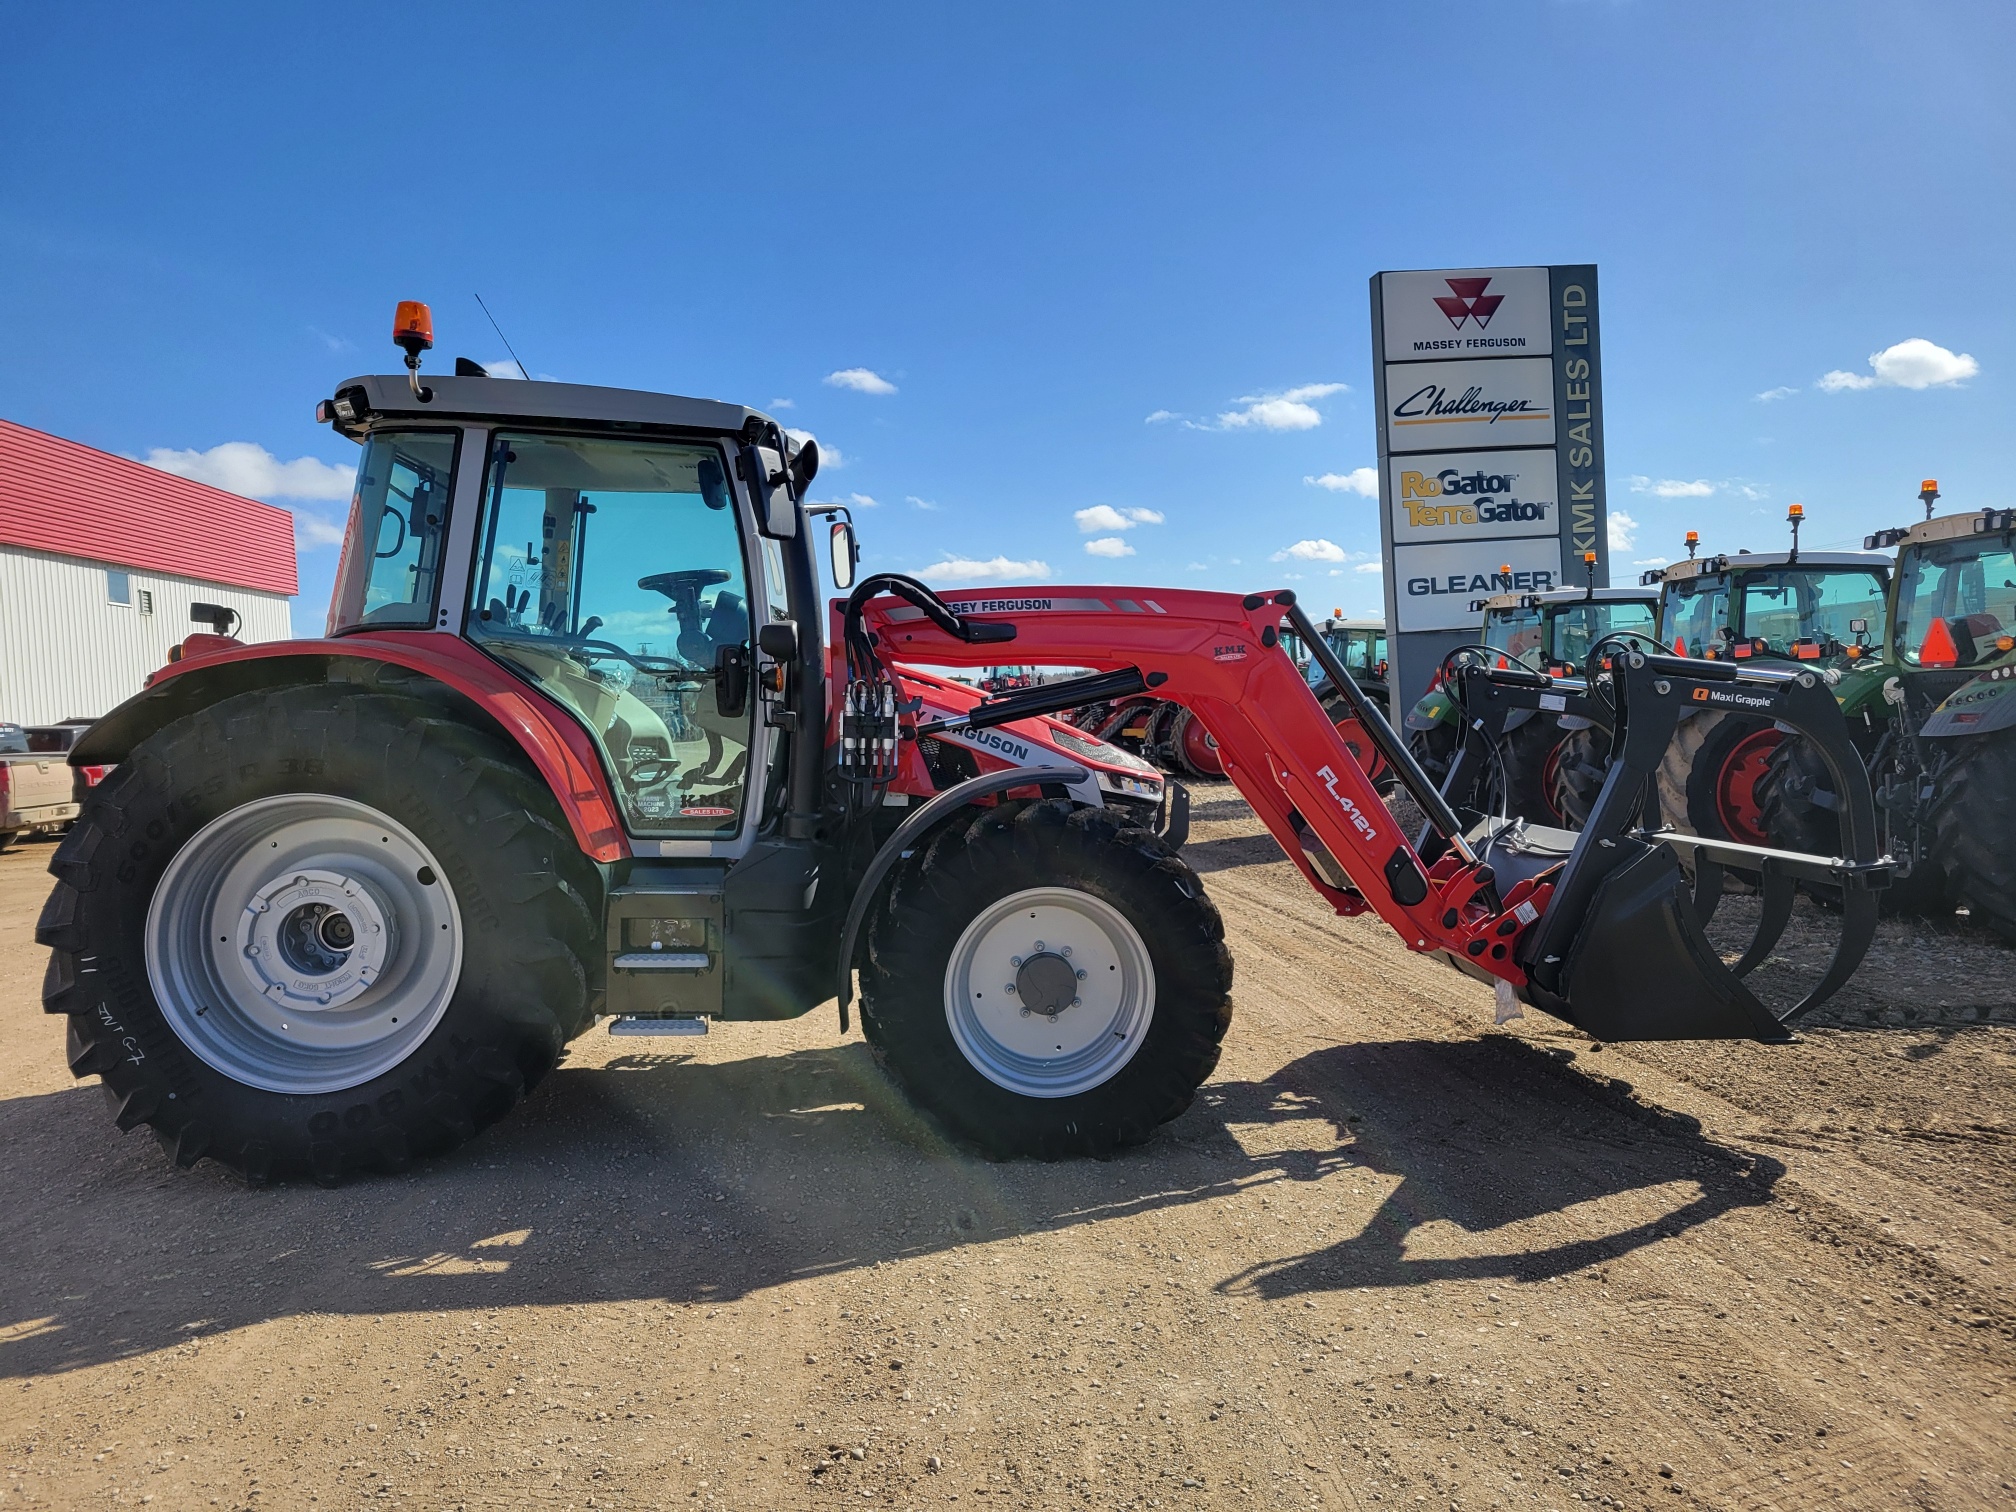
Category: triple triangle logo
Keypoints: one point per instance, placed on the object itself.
(1466, 300)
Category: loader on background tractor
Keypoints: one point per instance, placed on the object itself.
(1820, 611)
(1932, 711)
(582, 741)
(1546, 763)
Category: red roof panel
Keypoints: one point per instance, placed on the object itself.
(72, 500)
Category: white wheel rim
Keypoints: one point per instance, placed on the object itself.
(1004, 988)
(303, 943)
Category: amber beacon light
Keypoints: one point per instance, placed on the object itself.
(413, 333)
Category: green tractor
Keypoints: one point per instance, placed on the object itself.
(1933, 712)
(1547, 767)
(1809, 609)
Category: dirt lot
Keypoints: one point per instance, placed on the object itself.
(1393, 1255)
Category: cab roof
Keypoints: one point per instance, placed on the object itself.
(1947, 528)
(1750, 561)
(1505, 601)
(518, 401)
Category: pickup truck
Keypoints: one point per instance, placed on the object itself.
(39, 790)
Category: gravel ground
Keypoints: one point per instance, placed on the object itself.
(1392, 1255)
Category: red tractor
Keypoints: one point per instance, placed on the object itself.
(582, 741)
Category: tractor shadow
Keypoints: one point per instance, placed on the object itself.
(660, 1176)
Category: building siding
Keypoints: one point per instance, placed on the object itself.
(67, 651)
(61, 496)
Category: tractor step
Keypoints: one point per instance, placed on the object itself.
(626, 1024)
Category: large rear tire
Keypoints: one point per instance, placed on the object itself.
(319, 931)
(1974, 822)
(1047, 981)
(1708, 778)
(1581, 763)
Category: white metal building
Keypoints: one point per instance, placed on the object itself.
(100, 561)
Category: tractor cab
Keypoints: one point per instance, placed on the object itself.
(1554, 632)
(1955, 609)
(1360, 644)
(1808, 607)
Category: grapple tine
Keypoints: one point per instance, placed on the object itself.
(1779, 889)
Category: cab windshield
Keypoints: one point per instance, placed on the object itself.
(1967, 586)
(1693, 612)
(1792, 609)
(610, 573)
(1577, 627)
(1519, 633)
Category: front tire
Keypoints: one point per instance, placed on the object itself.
(1975, 825)
(1079, 1039)
(213, 924)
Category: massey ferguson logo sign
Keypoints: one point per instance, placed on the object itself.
(1466, 300)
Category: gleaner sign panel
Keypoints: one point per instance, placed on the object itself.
(1488, 385)
(1433, 406)
(1436, 582)
(1454, 496)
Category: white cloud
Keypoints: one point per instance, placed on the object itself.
(503, 367)
(1368, 566)
(1363, 481)
(1913, 364)
(966, 569)
(861, 381)
(830, 459)
(1289, 410)
(1652, 562)
(245, 467)
(1781, 392)
(1159, 416)
(1197, 567)
(920, 503)
(783, 404)
(333, 343)
(1106, 517)
(1108, 546)
(1623, 531)
(1672, 488)
(1312, 551)
(860, 501)
(311, 531)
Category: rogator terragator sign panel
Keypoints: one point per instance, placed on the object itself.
(1488, 383)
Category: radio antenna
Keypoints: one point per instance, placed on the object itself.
(502, 337)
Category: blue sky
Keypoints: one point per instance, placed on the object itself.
(1035, 227)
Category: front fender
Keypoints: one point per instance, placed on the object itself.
(556, 745)
(1436, 708)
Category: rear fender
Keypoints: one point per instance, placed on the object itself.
(1981, 707)
(442, 667)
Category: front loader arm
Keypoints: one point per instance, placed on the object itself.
(1219, 655)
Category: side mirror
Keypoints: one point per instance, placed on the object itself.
(776, 511)
(846, 555)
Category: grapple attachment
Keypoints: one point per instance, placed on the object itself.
(1623, 950)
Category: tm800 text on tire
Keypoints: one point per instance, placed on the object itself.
(318, 931)
(1048, 981)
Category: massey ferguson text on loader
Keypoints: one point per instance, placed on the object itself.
(580, 741)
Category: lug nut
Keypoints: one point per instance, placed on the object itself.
(1081, 973)
(1039, 944)
(1015, 961)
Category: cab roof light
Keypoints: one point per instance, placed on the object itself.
(413, 333)
(1928, 495)
(1693, 543)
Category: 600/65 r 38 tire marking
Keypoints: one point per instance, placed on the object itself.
(314, 765)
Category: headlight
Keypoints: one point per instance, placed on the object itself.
(1098, 750)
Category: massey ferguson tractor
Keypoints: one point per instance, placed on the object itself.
(583, 743)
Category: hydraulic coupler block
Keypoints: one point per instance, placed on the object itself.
(868, 732)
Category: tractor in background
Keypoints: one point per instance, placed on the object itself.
(1546, 765)
(1820, 611)
(1932, 709)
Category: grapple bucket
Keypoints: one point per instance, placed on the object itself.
(1623, 950)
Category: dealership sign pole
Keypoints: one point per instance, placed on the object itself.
(1488, 383)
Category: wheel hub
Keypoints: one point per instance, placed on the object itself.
(1046, 982)
(303, 943)
(314, 940)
